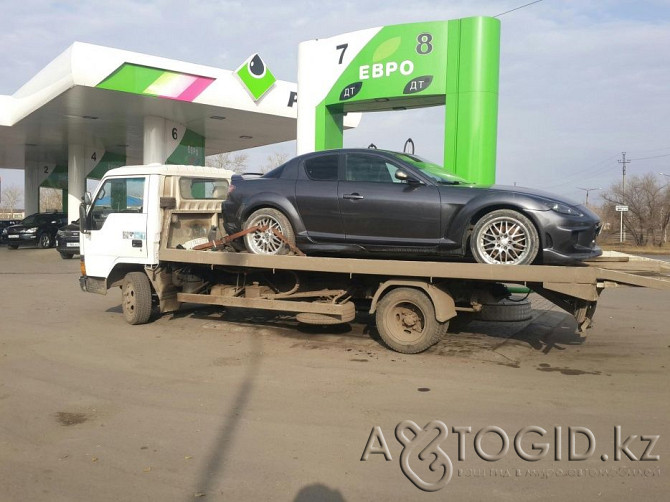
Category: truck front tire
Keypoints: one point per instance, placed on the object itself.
(136, 298)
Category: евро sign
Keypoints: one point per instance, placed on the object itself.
(452, 63)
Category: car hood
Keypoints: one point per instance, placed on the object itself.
(15, 228)
(532, 192)
(514, 192)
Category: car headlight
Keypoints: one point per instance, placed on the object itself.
(4, 231)
(30, 230)
(60, 234)
(563, 208)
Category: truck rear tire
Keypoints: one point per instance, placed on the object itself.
(136, 298)
(406, 321)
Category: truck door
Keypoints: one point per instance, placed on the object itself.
(118, 222)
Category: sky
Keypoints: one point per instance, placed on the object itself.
(580, 81)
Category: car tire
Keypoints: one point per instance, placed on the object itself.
(66, 256)
(406, 321)
(505, 237)
(12, 246)
(44, 241)
(136, 298)
(266, 242)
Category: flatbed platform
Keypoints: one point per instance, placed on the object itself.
(596, 274)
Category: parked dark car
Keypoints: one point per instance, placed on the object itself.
(37, 229)
(4, 224)
(354, 201)
(67, 240)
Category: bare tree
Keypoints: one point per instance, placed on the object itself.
(648, 214)
(273, 160)
(236, 162)
(51, 199)
(11, 196)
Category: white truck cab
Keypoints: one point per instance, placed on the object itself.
(122, 222)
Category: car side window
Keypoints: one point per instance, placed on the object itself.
(124, 195)
(322, 168)
(361, 167)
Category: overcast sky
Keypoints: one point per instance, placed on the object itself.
(580, 81)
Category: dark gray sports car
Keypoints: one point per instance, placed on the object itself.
(354, 201)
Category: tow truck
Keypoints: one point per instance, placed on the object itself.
(156, 232)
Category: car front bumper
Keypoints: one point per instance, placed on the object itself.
(23, 239)
(67, 245)
(568, 238)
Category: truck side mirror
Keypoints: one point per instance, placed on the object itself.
(83, 227)
(87, 198)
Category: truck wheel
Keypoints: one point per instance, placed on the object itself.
(504, 237)
(66, 256)
(136, 298)
(44, 241)
(406, 321)
(266, 242)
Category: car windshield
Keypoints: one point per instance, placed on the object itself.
(433, 171)
(31, 221)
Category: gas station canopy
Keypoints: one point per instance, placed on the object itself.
(68, 102)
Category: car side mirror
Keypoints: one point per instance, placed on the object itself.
(403, 176)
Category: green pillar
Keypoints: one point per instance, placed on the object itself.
(329, 128)
(471, 121)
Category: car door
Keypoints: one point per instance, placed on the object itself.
(117, 220)
(378, 208)
(316, 197)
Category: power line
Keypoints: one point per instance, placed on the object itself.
(655, 157)
(517, 8)
(579, 175)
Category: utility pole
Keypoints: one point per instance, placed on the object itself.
(667, 187)
(587, 190)
(622, 234)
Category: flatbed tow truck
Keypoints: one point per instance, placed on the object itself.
(154, 251)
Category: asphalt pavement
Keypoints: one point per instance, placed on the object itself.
(241, 405)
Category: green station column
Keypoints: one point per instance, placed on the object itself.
(471, 111)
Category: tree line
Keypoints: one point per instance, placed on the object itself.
(648, 217)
